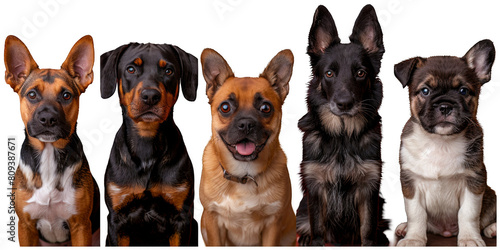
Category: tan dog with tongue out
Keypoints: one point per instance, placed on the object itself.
(245, 186)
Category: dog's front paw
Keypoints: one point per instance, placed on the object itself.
(491, 230)
(471, 242)
(411, 243)
(401, 229)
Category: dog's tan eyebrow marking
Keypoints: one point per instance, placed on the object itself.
(138, 61)
(162, 63)
(429, 80)
(458, 81)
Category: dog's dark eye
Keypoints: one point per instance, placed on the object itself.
(463, 91)
(131, 70)
(361, 73)
(169, 72)
(329, 74)
(32, 95)
(225, 107)
(265, 108)
(66, 96)
(425, 91)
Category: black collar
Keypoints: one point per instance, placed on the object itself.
(242, 180)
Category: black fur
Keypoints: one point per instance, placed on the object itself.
(161, 160)
(341, 166)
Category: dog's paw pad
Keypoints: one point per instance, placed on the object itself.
(401, 229)
(471, 242)
(491, 230)
(411, 243)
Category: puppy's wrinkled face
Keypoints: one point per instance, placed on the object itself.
(246, 112)
(444, 95)
(49, 97)
(444, 90)
(148, 83)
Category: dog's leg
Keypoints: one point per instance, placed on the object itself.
(468, 220)
(316, 219)
(80, 228)
(28, 234)
(210, 229)
(366, 218)
(271, 234)
(491, 230)
(416, 233)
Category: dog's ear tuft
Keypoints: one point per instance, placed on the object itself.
(215, 70)
(109, 74)
(18, 62)
(279, 71)
(405, 69)
(80, 61)
(323, 32)
(480, 58)
(189, 78)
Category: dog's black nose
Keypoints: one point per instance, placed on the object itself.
(345, 103)
(445, 109)
(246, 125)
(150, 96)
(47, 117)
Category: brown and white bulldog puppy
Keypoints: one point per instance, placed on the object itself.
(245, 186)
(443, 176)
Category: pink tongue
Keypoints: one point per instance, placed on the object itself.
(245, 148)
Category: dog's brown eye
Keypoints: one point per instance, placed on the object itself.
(131, 70)
(425, 91)
(265, 108)
(329, 74)
(66, 96)
(169, 72)
(225, 107)
(361, 73)
(32, 95)
(463, 91)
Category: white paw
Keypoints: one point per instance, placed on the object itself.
(411, 243)
(401, 229)
(490, 231)
(471, 242)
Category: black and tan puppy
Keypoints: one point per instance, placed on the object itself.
(245, 187)
(442, 171)
(56, 197)
(341, 166)
(149, 179)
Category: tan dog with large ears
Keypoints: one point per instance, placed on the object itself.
(56, 196)
(245, 186)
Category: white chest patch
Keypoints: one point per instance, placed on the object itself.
(53, 203)
(245, 216)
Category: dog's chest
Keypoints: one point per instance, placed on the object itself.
(433, 157)
(55, 199)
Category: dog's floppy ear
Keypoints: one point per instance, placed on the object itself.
(109, 74)
(189, 78)
(323, 32)
(18, 62)
(279, 71)
(480, 58)
(405, 69)
(80, 61)
(215, 71)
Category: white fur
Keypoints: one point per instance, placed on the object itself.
(50, 206)
(441, 201)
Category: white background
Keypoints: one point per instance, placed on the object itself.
(248, 34)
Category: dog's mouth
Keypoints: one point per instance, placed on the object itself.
(245, 150)
(149, 116)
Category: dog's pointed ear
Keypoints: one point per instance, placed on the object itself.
(480, 58)
(18, 62)
(215, 70)
(367, 31)
(279, 71)
(80, 61)
(189, 77)
(323, 32)
(405, 69)
(109, 74)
